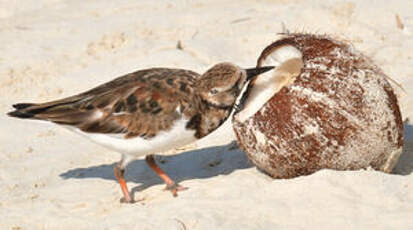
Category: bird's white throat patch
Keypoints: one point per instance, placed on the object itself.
(288, 64)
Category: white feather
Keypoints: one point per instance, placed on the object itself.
(135, 147)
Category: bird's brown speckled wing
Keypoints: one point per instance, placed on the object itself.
(138, 104)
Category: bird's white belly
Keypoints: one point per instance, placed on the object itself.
(177, 136)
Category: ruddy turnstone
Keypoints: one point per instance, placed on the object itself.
(148, 111)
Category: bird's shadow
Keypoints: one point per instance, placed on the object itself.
(194, 164)
(405, 164)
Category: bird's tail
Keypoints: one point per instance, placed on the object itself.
(20, 110)
(64, 111)
(25, 110)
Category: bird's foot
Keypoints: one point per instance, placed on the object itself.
(174, 188)
(124, 200)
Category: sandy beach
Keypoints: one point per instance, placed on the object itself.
(51, 178)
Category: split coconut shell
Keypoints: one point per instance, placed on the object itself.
(324, 106)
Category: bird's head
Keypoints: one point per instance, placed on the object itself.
(220, 86)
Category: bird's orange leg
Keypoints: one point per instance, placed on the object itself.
(119, 174)
(170, 184)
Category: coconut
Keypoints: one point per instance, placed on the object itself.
(324, 105)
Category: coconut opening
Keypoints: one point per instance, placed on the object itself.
(288, 64)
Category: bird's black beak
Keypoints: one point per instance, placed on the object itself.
(257, 71)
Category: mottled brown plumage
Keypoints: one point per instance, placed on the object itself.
(137, 104)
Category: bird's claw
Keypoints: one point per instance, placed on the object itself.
(174, 188)
(123, 200)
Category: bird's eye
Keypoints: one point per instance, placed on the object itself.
(213, 91)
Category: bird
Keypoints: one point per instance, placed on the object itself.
(147, 112)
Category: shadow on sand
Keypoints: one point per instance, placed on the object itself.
(405, 164)
(194, 164)
(206, 163)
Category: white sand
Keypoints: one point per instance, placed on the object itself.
(51, 178)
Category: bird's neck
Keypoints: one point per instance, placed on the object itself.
(209, 118)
